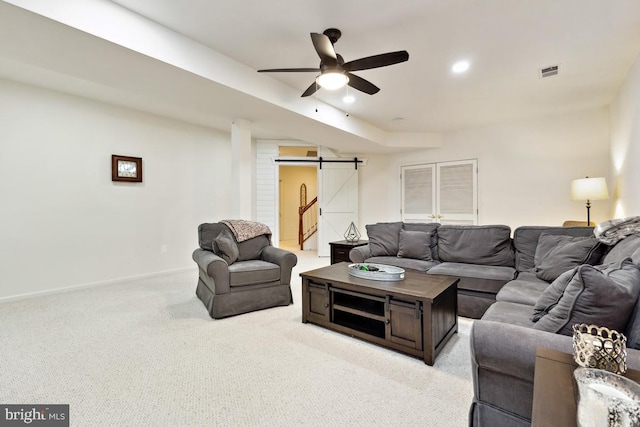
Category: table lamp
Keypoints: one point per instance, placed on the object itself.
(589, 189)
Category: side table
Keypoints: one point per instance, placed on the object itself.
(340, 250)
(554, 391)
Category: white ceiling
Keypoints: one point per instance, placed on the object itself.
(594, 41)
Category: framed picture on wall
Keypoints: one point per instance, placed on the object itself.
(125, 168)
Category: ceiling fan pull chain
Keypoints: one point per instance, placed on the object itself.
(347, 97)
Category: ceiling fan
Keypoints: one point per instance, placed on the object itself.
(334, 72)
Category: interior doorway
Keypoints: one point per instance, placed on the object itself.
(298, 187)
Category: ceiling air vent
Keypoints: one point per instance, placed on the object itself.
(549, 71)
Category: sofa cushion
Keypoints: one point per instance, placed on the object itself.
(428, 227)
(511, 313)
(252, 248)
(556, 254)
(623, 249)
(247, 273)
(525, 241)
(384, 238)
(484, 288)
(414, 244)
(600, 295)
(522, 291)
(552, 294)
(490, 272)
(632, 331)
(207, 232)
(530, 276)
(226, 247)
(410, 263)
(476, 244)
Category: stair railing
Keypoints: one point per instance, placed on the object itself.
(307, 221)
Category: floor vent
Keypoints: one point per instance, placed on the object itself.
(549, 71)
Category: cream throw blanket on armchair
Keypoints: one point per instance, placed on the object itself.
(245, 230)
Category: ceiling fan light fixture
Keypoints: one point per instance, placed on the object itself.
(332, 80)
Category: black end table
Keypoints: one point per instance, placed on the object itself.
(340, 250)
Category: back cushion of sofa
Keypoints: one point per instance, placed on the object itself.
(249, 249)
(557, 253)
(476, 244)
(525, 242)
(252, 248)
(623, 249)
(384, 238)
(430, 227)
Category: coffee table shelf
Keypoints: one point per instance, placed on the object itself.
(356, 312)
(416, 316)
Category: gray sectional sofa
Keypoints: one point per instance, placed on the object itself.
(484, 257)
(526, 290)
(504, 341)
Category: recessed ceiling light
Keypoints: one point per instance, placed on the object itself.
(460, 67)
(349, 99)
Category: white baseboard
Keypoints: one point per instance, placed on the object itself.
(95, 284)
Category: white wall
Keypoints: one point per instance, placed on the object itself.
(64, 223)
(625, 146)
(375, 192)
(525, 169)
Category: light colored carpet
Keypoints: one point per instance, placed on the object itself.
(145, 353)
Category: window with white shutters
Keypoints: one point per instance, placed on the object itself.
(444, 192)
(418, 191)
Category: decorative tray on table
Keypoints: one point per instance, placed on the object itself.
(371, 271)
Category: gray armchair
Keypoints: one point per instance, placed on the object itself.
(236, 278)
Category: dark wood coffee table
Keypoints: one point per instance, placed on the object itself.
(416, 316)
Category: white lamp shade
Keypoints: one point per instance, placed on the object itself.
(589, 189)
(332, 80)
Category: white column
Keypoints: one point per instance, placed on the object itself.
(241, 170)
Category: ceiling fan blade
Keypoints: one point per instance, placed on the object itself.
(362, 85)
(290, 70)
(311, 89)
(376, 61)
(325, 49)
